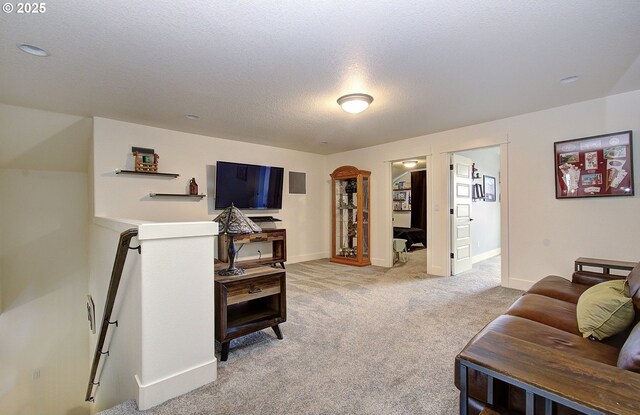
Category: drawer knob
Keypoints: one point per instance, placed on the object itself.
(255, 290)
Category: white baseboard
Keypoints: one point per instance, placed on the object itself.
(519, 284)
(485, 255)
(307, 257)
(155, 393)
(379, 262)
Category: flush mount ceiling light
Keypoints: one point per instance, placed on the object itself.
(410, 163)
(569, 79)
(355, 103)
(192, 117)
(33, 50)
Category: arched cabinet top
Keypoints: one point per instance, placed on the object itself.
(348, 171)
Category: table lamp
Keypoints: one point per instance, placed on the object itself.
(233, 222)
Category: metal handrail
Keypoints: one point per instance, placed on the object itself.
(116, 275)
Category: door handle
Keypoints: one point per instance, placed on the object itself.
(470, 219)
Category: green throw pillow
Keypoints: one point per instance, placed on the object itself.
(605, 309)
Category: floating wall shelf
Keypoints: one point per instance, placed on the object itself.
(147, 173)
(176, 195)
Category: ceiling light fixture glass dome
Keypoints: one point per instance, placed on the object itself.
(355, 103)
(410, 163)
(33, 50)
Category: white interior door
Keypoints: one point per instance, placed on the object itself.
(461, 183)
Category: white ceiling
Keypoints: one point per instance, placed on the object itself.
(270, 72)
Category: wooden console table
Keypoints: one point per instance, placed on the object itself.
(587, 386)
(606, 264)
(247, 303)
(277, 237)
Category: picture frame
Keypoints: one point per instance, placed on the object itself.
(489, 184)
(595, 166)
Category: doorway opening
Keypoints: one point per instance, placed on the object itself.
(475, 211)
(409, 210)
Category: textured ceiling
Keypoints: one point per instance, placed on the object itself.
(270, 72)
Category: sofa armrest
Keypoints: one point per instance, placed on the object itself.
(593, 278)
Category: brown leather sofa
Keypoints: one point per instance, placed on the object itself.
(546, 316)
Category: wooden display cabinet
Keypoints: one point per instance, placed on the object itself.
(350, 215)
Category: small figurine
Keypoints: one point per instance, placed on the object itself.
(193, 186)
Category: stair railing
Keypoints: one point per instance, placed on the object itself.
(116, 275)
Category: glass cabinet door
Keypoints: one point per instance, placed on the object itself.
(365, 217)
(346, 218)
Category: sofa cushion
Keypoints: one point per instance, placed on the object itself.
(558, 287)
(546, 310)
(605, 309)
(629, 358)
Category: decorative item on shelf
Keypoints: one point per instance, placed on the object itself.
(351, 187)
(233, 222)
(145, 159)
(478, 193)
(193, 186)
(474, 172)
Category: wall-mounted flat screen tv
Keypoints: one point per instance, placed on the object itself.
(248, 186)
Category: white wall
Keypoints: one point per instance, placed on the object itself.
(545, 234)
(43, 261)
(44, 268)
(161, 290)
(190, 155)
(485, 228)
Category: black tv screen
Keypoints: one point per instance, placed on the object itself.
(248, 186)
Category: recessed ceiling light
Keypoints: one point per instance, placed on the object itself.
(33, 50)
(355, 103)
(192, 117)
(410, 163)
(569, 79)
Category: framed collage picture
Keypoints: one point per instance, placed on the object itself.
(489, 188)
(596, 166)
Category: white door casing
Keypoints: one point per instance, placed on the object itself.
(460, 213)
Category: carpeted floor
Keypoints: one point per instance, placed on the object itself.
(357, 341)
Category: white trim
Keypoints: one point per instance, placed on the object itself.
(485, 255)
(519, 284)
(167, 230)
(504, 214)
(307, 257)
(161, 390)
(380, 262)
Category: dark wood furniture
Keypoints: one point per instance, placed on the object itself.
(247, 303)
(277, 237)
(412, 235)
(350, 235)
(606, 265)
(551, 374)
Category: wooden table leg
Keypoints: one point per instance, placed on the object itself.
(276, 330)
(224, 352)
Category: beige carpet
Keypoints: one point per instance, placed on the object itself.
(357, 341)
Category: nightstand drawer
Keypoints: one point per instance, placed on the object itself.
(251, 289)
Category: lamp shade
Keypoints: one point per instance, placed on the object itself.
(233, 222)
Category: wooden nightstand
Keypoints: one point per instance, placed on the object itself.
(248, 303)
